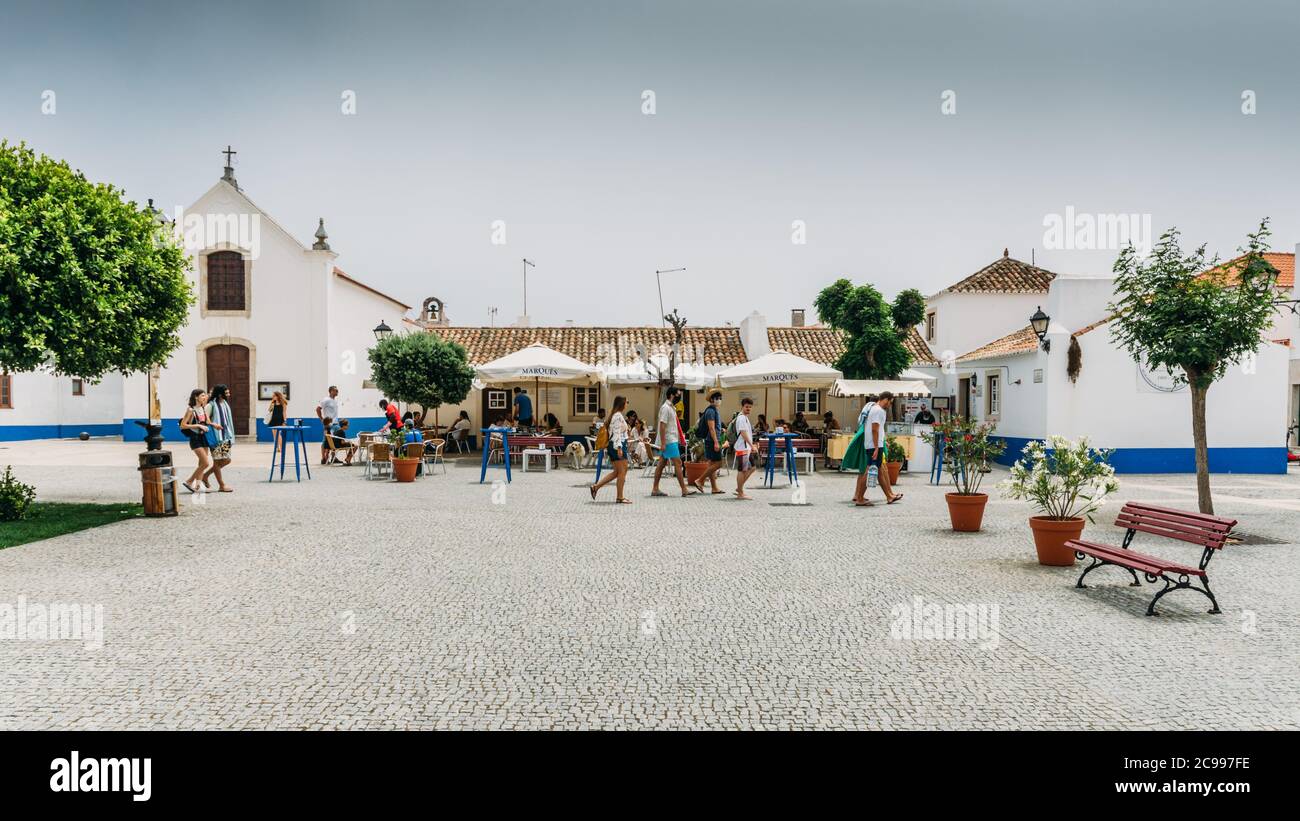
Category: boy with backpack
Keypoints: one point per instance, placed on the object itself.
(710, 430)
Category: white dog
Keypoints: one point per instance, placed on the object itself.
(577, 454)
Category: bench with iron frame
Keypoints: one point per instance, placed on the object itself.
(1210, 532)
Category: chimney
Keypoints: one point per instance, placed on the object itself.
(796, 317)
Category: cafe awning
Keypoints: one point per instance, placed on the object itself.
(538, 362)
(779, 369)
(863, 387)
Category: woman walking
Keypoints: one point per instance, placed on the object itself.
(616, 424)
(194, 424)
(223, 424)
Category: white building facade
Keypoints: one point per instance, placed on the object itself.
(270, 313)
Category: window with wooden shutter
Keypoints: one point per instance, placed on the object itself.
(226, 281)
(6, 391)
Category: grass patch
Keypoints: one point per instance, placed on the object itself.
(49, 519)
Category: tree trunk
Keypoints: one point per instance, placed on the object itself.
(1202, 450)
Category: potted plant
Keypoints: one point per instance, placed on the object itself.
(694, 463)
(967, 445)
(895, 454)
(404, 467)
(1067, 481)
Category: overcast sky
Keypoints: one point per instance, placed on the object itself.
(765, 113)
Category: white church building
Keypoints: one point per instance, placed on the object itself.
(270, 313)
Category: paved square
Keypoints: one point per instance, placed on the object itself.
(341, 603)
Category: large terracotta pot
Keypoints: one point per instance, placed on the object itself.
(966, 510)
(695, 471)
(404, 468)
(1050, 536)
(893, 468)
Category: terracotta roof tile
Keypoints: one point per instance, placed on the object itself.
(817, 343)
(824, 345)
(1284, 263)
(1005, 276)
(719, 346)
(919, 349)
(1016, 342)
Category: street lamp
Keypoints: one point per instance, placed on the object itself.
(660, 283)
(382, 331)
(1039, 321)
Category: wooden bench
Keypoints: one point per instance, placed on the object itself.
(1210, 532)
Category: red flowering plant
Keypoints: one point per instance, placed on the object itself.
(968, 446)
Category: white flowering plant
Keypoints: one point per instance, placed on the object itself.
(1063, 479)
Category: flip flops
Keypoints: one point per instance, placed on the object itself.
(897, 496)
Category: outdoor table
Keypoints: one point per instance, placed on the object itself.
(280, 443)
(487, 450)
(769, 463)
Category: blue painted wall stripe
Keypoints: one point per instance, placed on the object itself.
(15, 433)
(1176, 460)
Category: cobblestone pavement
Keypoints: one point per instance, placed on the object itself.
(341, 603)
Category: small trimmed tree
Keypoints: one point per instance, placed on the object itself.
(89, 282)
(873, 329)
(1194, 319)
(421, 368)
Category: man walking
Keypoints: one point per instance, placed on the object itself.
(873, 443)
(523, 409)
(710, 430)
(327, 409)
(744, 447)
(670, 443)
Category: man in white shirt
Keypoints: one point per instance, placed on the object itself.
(873, 443)
(744, 445)
(328, 408)
(670, 444)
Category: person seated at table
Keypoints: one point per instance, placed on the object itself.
(418, 419)
(800, 424)
(638, 443)
(460, 429)
(597, 421)
(780, 426)
(411, 434)
(551, 426)
(830, 422)
(761, 425)
(339, 434)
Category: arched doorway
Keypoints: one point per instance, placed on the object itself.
(229, 365)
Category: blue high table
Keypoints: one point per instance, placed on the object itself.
(487, 449)
(281, 434)
(769, 466)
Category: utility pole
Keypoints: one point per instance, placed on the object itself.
(527, 265)
(660, 283)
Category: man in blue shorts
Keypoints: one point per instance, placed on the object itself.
(670, 443)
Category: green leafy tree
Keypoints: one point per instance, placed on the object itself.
(873, 337)
(1194, 319)
(89, 282)
(908, 309)
(421, 368)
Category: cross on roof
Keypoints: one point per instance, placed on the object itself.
(229, 152)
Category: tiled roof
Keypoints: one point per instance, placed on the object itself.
(919, 349)
(1016, 342)
(1094, 326)
(1005, 276)
(343, 275)
(817, 343)
(614, 346)
(824, 345)
(1284, 263)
